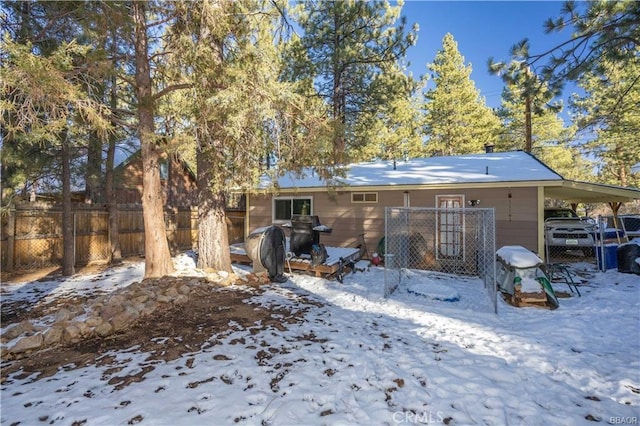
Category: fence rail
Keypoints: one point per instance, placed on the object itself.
(32, 239)
(455, 241)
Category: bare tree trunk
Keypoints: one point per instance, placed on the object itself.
(93, 175)
(528, 139)
(112, 206)
(115, 251)
(158, 260)
(213, 237)
(68, 243)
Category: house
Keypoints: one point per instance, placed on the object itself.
(179, 193)
(179, 189)
(515, 184)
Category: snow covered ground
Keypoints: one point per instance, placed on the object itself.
(432, 353)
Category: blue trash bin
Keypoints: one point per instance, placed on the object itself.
(610, 260)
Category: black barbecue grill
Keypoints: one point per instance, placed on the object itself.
(305, 233)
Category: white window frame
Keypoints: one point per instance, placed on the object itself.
(450, 226)
(364, 196)
(273, 206)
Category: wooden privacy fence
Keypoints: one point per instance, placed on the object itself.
(32, 239)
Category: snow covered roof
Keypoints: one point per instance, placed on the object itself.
(513, 166)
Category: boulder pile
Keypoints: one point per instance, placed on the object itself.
(107, 315)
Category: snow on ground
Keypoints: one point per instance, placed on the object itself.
(432, 353)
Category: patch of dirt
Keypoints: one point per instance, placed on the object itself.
(53, 272)
(212, 313)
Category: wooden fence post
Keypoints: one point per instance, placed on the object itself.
(11, 232)
(194, 228)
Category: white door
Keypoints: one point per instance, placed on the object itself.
(450, 226)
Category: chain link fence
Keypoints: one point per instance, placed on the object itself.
(37, 240)
(591, 240)
(454, 241)
(33, 239)
(569, 240)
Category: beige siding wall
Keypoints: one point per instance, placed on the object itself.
(516, 213)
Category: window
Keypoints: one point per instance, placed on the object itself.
(164, 169)
(285, 207)
(364, 197)
(450, 224)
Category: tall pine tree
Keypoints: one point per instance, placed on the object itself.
(457, 120)
(393, 131)
(609, 111)
(240, 111)
(344, 46)
(550, 140)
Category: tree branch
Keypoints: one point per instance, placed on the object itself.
(172, 88)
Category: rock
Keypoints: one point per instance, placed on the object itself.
(53, 336)
(142, 298)
(122, 320)
(111, 310)
(84, 329)
(184, 289)
(71, 334)
(117, 299)
(63, 315)
(139, 307)
(28, 343)
(148, 309)
(94, 321)
(163, 299)
(104, 329)
(181, 300)
(15, 330)
(171, 292)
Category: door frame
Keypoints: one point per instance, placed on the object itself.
(450, 227)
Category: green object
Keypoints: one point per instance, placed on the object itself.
(548, 289)
(380, 248)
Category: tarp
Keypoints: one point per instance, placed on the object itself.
(517, 265)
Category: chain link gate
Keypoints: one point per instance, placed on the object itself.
(456, 241)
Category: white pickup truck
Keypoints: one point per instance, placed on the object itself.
(565, 230)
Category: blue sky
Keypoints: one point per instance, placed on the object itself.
(482, 29)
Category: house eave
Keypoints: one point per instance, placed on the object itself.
(586, 192)
(567, 190)
(413, 187)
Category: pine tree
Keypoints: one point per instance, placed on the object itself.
(551, 140)
(457, 120)
(42, 96)
(344, 46)
(158, 260)
(393, 131)
(601, 31)
(609, 111)
(240, 110)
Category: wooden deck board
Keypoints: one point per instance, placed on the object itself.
(331, 266)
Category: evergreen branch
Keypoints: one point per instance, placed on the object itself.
(172, 88)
